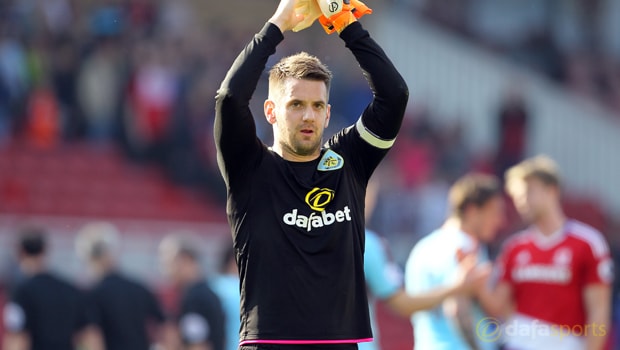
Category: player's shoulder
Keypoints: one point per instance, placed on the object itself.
(50, 278)
(589, 235)
(431, 246)
(201, 291)
(352, 137)
(52, 281)
(132, 283)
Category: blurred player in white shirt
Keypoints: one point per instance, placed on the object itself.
(554, 277)
(476, 214)
(384, 278)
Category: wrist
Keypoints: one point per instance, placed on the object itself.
(347, 19)
(278, 23)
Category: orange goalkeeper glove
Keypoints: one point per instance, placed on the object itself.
(337, 15)
(360, 9)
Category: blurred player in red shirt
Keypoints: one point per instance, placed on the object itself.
(553, 289)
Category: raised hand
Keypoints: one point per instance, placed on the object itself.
(471, 275)
(285, 17)
(310, 11)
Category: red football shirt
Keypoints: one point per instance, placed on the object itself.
(548, 273)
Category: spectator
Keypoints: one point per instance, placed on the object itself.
(121, 307)
(99, 83)
(45, 312)
(513, 121)
(201, 319)
(226, 286)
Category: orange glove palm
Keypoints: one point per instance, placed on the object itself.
(335, 20)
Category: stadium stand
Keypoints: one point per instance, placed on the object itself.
(87, 182)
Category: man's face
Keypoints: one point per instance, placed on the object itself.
(299, 114)
(488, 219)
(169, 260)
(531, 197)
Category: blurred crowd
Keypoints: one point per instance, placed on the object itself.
(573, 42)
(137, 74)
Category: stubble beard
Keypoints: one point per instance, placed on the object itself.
(298, 147)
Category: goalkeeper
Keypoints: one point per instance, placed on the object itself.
(296, 208)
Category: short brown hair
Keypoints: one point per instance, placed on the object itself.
(299, 66)
(472, 189)
(540, 167)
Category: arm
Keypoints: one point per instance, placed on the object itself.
(199, 347)
(16, 335)
(495, 293)
(469, 276)
(234, 130)
(496, 301)
(460, 309)
(598, 275)
(90, 338)
(381, 119)
(164, 328)
(405, 305)
(383, 116)
(16, 341)
(596, 300)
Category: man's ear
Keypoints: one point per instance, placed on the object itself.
(329, 108)
(270, 111)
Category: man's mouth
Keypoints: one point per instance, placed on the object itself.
(307, 131)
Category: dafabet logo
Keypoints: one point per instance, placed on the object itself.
(317, 199)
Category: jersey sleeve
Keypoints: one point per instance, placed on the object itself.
(383, 276)
(598, 265)
(202, 321)
(238, 147)
(85, 316)
(154, 309)
(417, 274)
(14, 317)
(382, 118)
(503, 265)
(17, 313)
(93, 308)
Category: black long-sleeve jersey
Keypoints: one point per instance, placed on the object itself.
(298, 227)
(49, 309)
(122, 308)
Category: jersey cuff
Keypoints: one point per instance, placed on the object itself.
(371, 138)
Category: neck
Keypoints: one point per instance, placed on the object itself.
(32, 265)
(291, 156)
(103, 267)
(551, 222)
(191, 276)
(458, 224)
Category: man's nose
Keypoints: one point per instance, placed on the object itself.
(309, 114)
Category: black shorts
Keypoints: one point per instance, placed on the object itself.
(299, 347)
